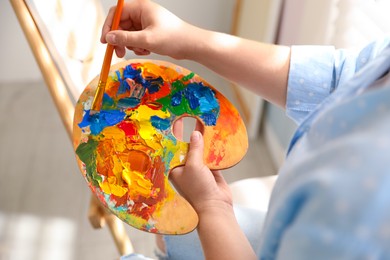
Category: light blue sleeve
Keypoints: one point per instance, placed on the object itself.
(316, 71)
(310, 79)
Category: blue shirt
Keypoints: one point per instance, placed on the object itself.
(332, 197)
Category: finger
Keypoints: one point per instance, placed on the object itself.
(141, 52)
(138, 51)
(120, 51)
(135, 39)
(107, 24)
(195, 153)
(219, 177)
(176, 176)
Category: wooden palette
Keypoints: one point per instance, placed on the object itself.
(127, 150)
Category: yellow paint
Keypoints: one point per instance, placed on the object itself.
(100, 160)
(145, 112)
(117, 168)
(146, 130)
(110, 186)
(136, 182)
(118, 136)
(179, 150)
(156, 144)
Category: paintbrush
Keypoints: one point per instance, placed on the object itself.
(98, 98)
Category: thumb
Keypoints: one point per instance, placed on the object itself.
(127, 38)
(195, 153)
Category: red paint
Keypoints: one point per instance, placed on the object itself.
(214, 157)
(164, 91)
(129, 128)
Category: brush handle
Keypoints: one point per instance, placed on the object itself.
(97, 100)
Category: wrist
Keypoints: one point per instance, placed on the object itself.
(215, 217)
(221, 235)
(214, 208)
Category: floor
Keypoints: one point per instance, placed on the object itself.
(43, 198)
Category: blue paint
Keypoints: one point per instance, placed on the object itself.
(154, 84)
(131, 73)
(112, 117)
(96, 127)
(108, 102)
(86, 120)
(160, 123)
(130, 102)
(207, 105)
(169, 156)
(208, 101)
(172, 138)
(124, 86)
(199, 96)
(192, 94)
(99, 121)
(209, 118)
(176, 98)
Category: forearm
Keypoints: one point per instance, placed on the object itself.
(221, 236)
(261, 68)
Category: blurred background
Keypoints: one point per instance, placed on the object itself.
(43, 197)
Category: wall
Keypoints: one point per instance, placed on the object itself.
(213, 15)
(217, 15)
(257, 20)
(18, 64)
(303, 22)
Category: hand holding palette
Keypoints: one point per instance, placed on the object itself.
(127, 150)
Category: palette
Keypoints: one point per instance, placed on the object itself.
(127, 150)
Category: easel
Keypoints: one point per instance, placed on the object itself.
(97, 215)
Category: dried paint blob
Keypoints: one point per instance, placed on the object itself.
(127, 150)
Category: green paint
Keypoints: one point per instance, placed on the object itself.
(184, 107)
(189, 76)
(87, 154)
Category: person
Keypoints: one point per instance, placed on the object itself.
(331, 198)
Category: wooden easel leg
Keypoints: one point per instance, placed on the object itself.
(118, 232)
(96, 213)
(99, 216)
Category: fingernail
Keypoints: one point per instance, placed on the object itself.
(195, 136)
(110, 38)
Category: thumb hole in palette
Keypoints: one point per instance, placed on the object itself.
(184, 126)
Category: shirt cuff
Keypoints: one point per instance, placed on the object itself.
(310, 79)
